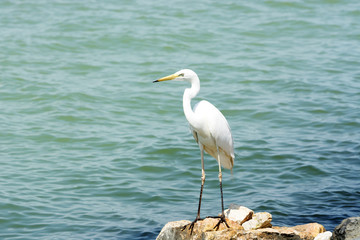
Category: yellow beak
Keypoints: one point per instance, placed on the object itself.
(170, 77)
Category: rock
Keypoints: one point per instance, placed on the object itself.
(259, 220)
(307, 232)
(244, 225)
(348, 229)
(301, 232)
(323, 236)
(238, 213)
(203, 229)
(267, 233)
(171, 230)
(283, 233)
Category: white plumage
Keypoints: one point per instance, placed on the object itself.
(210, 130)
(216, 133)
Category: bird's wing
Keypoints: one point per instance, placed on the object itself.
(220, 130)
(217, 125)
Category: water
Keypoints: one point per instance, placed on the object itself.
(90, 148)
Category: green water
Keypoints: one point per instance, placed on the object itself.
(90, 148)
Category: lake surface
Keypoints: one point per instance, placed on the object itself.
(90, 148)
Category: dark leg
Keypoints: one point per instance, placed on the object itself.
(191, 225)
(222, 217)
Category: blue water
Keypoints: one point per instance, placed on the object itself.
(90, 148)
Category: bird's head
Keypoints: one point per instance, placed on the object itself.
(182, 75)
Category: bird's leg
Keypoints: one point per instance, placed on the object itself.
(222, 217)
(191, 225)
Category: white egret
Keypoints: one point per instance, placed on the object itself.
(211, 131)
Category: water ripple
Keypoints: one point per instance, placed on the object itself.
(90, 148)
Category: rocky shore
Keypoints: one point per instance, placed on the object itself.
(245, 224)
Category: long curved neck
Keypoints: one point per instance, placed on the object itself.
(190, 93)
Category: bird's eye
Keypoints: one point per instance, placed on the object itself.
(181, 75)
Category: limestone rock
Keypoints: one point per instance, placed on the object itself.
(171, 230)
(323, 236)
(307, 231)
(203, 229)
(268, 234)
(238, 213)
(348, 229)
(259, 220)
(244, 225)
(278, 233)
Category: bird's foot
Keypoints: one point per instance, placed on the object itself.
(191, 225)
(222, 220)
